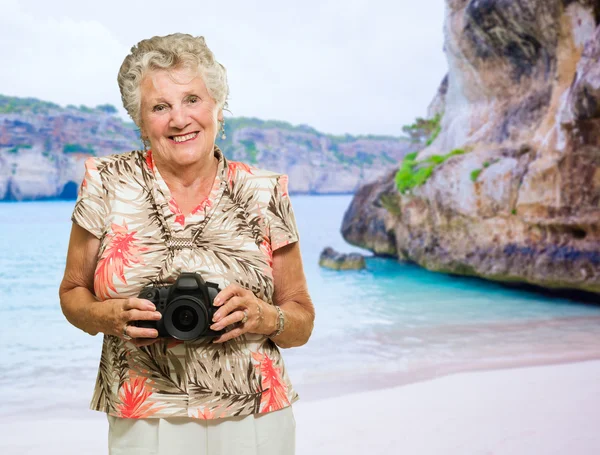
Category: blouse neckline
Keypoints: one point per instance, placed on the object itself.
(171, 211)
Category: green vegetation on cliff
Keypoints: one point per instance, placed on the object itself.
(13, 104)
(413, 173)
(475, 174)
(78, 148)
(16, 105)
(424, 131)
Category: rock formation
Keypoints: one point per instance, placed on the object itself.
(42, 146)
(331, 259)
(521, 202)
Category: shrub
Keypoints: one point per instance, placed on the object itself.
(78, 148)
(424, 131)
(414, 173)
(15, 150)
(107, 108)
(251, 151)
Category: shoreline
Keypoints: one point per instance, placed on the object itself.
(519, 410)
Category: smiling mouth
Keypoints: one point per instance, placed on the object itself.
(184, 137)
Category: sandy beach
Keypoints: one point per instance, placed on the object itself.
(533, 410)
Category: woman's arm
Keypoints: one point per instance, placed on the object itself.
(290, 294)
(81, 307)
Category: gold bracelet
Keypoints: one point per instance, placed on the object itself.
(280, 322)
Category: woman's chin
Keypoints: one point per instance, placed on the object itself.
(189, 153)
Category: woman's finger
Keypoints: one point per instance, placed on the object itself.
(233, 304)
(236, 316)
(137, 315)
(141, 332)
(133, 303)
(230, 335)
(233, 289)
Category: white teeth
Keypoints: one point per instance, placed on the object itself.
(187, 137)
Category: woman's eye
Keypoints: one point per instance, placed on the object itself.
(159, 108)
(194, 99)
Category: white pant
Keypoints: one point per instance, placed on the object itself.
(273, 433)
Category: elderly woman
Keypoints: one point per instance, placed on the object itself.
(144, 218)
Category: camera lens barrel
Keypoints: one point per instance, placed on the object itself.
(186, 318)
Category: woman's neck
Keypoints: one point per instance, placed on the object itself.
(190, 184)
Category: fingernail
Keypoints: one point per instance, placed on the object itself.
(216, 318)
(215, 327)
(152, 307)
(157, 315)
(216, 302)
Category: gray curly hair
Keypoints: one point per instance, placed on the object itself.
(178, 50)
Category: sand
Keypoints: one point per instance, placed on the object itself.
(533, 410)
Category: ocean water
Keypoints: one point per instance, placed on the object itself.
(389, 324)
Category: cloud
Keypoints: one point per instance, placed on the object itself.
(61, 59)
(357, 67)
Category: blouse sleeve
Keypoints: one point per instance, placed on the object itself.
(90, 209)
(280, 216)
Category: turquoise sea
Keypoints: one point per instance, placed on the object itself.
(389, 324)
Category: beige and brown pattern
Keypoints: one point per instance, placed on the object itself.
(125, 203)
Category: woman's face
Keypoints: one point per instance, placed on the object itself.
(178, 116)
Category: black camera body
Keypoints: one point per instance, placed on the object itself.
(186, 307)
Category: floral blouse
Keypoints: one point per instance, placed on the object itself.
(145, 239)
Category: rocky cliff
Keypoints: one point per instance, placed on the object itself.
(42, 146)
(510, 188)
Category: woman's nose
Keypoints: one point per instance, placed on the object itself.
(179, 119)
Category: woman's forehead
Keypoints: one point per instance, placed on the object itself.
(171, 82)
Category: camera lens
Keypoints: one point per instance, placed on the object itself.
(185, 318)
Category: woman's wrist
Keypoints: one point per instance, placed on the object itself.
(84, 311)
(269, 316)
(280, 323)
(98, 315)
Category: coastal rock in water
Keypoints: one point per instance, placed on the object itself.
(520, 200)
(331, 259)
(367, 223)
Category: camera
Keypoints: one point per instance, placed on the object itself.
(186, 307)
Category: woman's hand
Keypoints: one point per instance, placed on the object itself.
(119, 315)
(241, 307)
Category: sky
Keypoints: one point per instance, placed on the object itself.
(351, 66)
